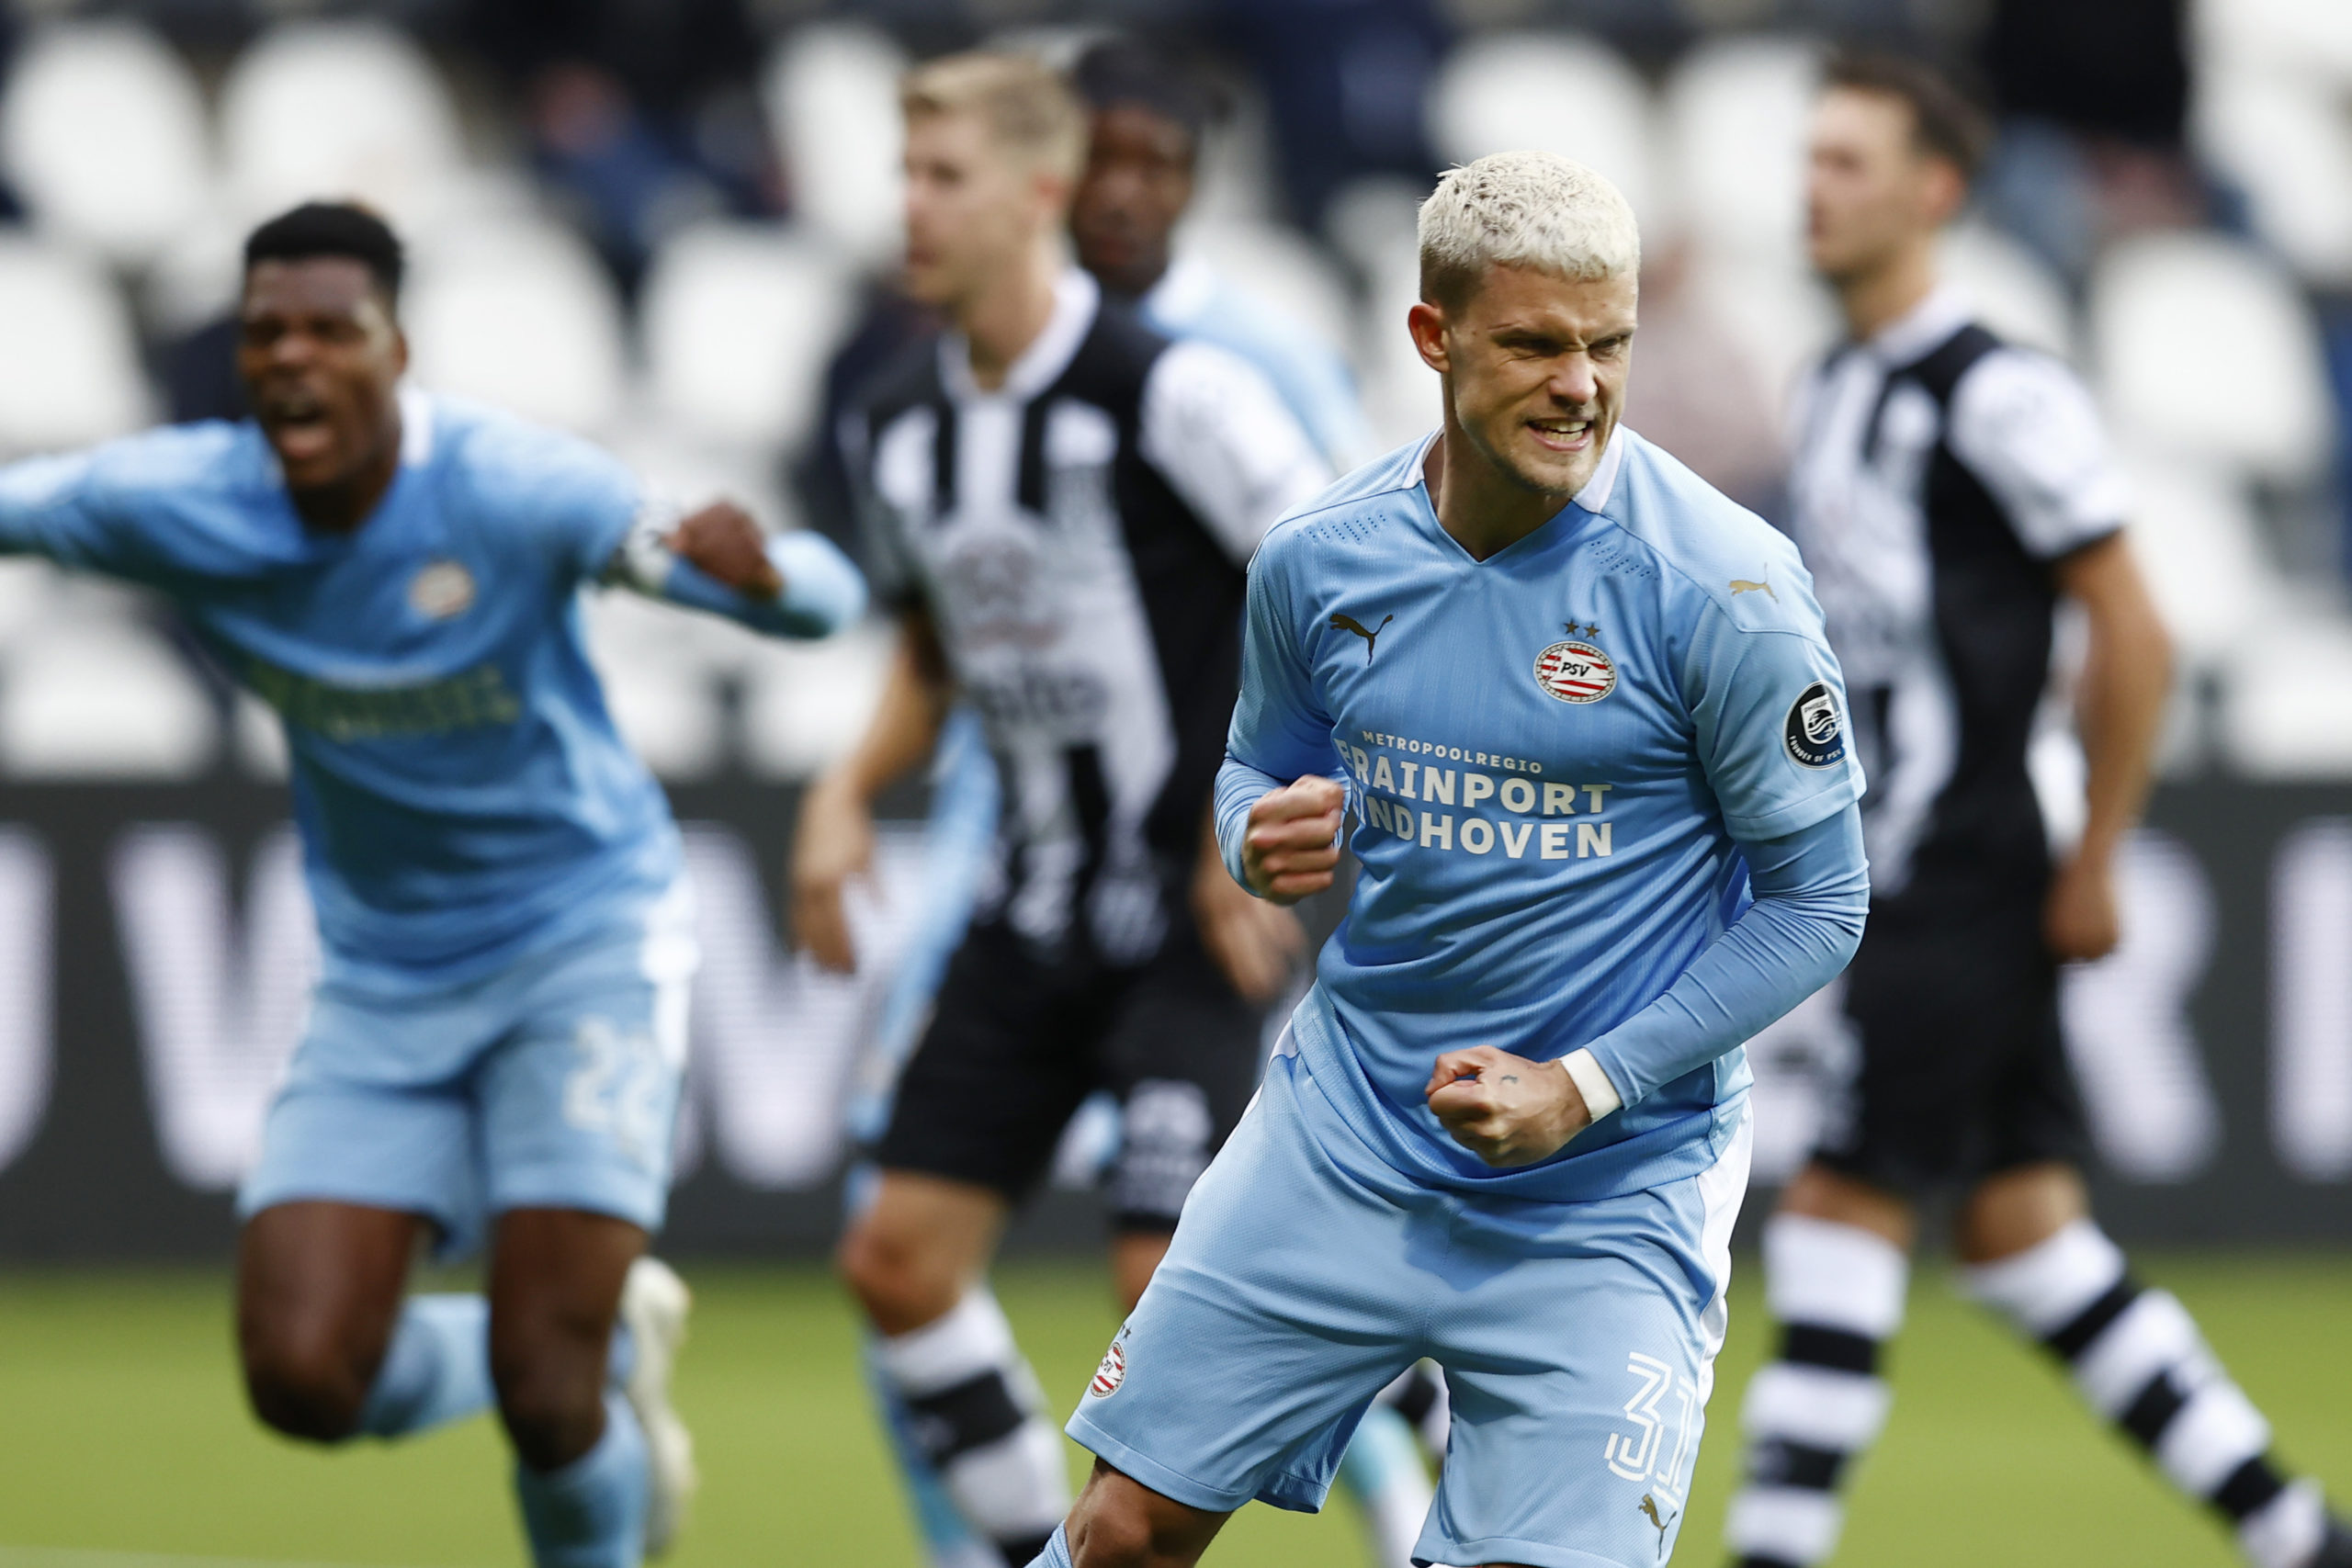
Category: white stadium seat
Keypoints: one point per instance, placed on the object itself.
(1281, 269)
(2285, 140)
(2201, 345)
(2199, 545)
(1736, 112)
(2287, 712)
(1782, 320)
(104, 699)
(660, 681)
(338, 108)
(2303, 36)
(1555, 92)
(739, 321)
(72, 361)
(832, 94)
(806, 703)
(521, 316)
(2014, 291)
(103, 134)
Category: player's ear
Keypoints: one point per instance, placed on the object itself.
(1427, 323)
(1944, 191)
(400, 348)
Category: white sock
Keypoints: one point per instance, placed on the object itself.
(1838, 1292)
(977, 1413)
(2137, 1358)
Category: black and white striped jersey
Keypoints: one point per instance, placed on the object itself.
(1079, 537)
(1939, 474)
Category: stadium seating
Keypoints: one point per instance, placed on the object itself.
(1556, 92)
(831, 95)
(2199, 344)
(1282, 269)
(2285, 138)
(520, 315)
(103, 134)
(806, 703)
(1735, 113)
(66, 338)
(739, 321)
(102, 697)
(338, 108)
(2014, 290)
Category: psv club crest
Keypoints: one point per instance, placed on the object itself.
(1576, 673)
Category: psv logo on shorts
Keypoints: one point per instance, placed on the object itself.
(1112, 1372)
(1575, 672)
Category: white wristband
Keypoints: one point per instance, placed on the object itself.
(1600, 1096)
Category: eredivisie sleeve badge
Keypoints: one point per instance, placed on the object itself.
(1815, 733)
(1576, 673)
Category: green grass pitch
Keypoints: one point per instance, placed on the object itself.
(121, 1432)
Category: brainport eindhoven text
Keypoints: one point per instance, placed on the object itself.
(1421, 780)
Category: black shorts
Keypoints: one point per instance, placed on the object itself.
(1016, 1043)
(1960, 1069)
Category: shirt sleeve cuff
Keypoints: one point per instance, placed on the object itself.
(1600, 1096)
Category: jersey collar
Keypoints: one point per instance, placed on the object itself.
(1594, 497)
(1076, 297)
(1927, 324)
(417, 427)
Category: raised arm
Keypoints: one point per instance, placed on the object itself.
(716, 559)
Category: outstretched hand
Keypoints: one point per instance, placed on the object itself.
(1505, 1109)
(1291, 847)
(725, 543)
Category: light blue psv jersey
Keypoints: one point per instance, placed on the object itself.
(462, 794)
(1552, 758)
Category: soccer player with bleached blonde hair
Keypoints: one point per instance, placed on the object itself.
(1599, 790)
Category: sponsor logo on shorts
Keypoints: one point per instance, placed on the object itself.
(1113, 1371)
(441, 591)
(1576, 673)
(1815, 732)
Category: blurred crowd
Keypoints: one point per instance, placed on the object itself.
(662, 221)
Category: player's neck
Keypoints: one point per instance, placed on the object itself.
(1485, 510)
(1001, 320)
(343, 508)
(1877, 298)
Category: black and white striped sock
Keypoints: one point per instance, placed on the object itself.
(2137, 1358)
(976, 1410)
(1838, 1292)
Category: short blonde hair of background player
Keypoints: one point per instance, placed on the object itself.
(1537, 210)
(1030, 110)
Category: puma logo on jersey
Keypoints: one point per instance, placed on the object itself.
(1649, 1505)
(1740, 585)
(1370, 639)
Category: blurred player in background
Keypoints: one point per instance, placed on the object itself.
(495, 1045)
(1950, 491)
(1060, 500)
(1607, 828)
(1148, 114)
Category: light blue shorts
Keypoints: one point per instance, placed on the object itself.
(1578, 1341)
(551, 1084)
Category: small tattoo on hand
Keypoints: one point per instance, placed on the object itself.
(1511, 1078)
